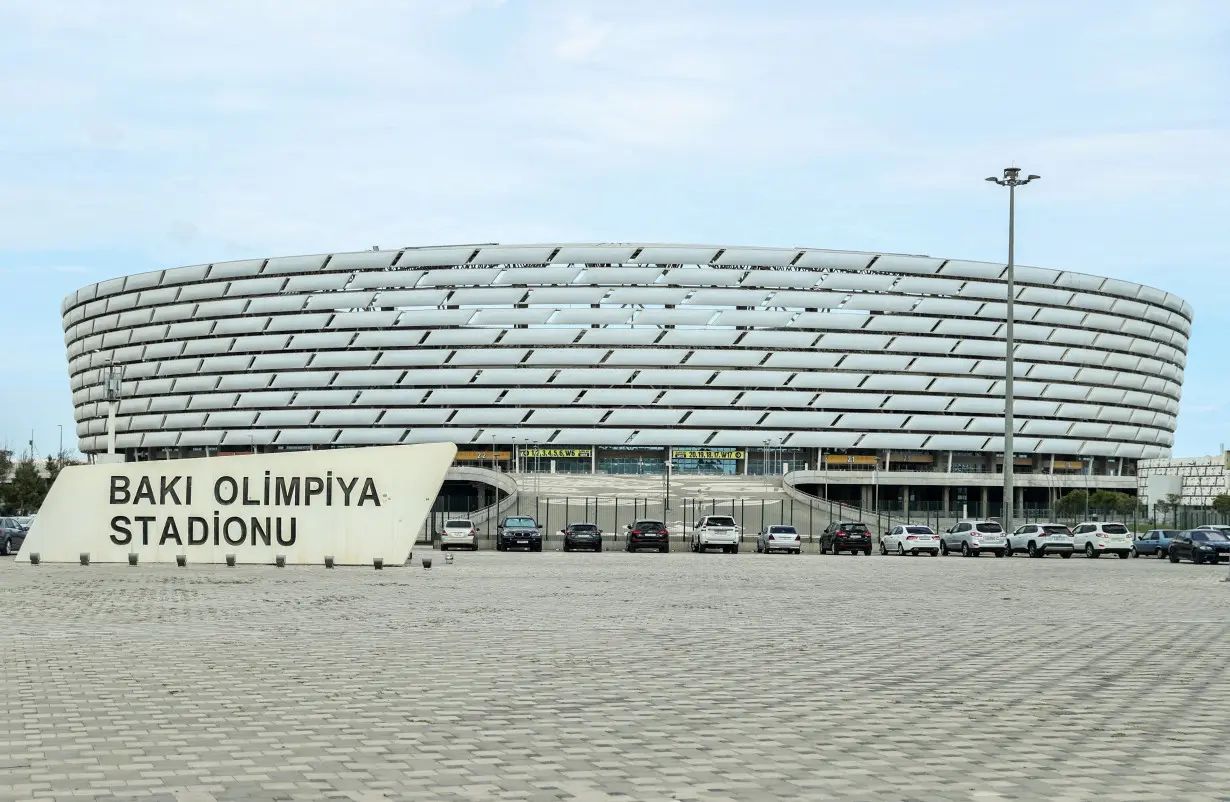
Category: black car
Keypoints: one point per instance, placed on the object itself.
(13, 534)
(1199, 546)
(518, 532)
(851, 536)
(583, 536)
(647, 535)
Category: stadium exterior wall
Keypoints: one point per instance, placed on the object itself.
(573, 348)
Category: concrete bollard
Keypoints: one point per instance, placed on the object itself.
(426, 562)
(280, 561)
(329, 561)
(378, 563)
(34, 558)
(448, 558)
(85, 558)
(132, 558)
(181, 560)
(230, 561)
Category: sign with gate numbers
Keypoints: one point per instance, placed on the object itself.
(556, 452)
(354, 504)
(680, 453)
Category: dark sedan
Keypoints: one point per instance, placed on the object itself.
(647, 535)
(518, 532)
(583, 536)
(13, 534)
(1199, 546)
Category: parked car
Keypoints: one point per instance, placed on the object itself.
(459, 532)
(1199, 546)
(910, 539)
(1039, 540)
(1223, 528)
(583, 536)
(1097, 538)
(716, 531)
(971, 538)
(779, 537)
(13, 534)
(647, 534)
(851, 536)
(1155, 541)
(518, 532)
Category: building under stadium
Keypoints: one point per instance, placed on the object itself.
(842, 369)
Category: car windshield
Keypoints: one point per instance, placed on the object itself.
(782, 530)
(458, 524)
(520, 522)
(1169, 532)
(1115, 529)
(648, 526)
(852, 527)
(1209, 535)
(1055, 529)
(24, 523)
(989, 527)
(720, 520)
(918, 530)
(583, 528)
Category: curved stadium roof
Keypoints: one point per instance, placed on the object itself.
(626, 343)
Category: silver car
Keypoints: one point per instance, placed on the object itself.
(13, 534)
(971, 538)
(459, 533)
(779, 537)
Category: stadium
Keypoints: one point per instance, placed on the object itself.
(627, 358)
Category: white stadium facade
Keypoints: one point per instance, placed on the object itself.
(839, 368)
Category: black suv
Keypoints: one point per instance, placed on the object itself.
(647, 535)
(851, 536)
(518, 532)
(582, 536)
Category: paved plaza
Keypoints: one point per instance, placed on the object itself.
(619, 677)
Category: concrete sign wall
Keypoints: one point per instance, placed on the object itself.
(353, 504)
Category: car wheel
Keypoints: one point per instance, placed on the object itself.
(866, 552)
(598, 547)
(965, 552)
(665, 549)
(1135, 553)
(883, 549)
(1001, 553)
(901, 550)
(1174, 558)
(1065, 554)
(1197, 558)
(1089, 552)
(943, 548)
(4, 548)
(1033, 550)
(1123, 555)
(1008, 552)
(1161, 554)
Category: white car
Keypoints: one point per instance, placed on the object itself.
(1039, 540)
(910, 539)
(1096, 539)
(779, 537)
(459, 533)
(971, 538)
(716, 531)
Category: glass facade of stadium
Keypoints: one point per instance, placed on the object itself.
(615, 358)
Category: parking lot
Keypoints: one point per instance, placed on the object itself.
(619, 676)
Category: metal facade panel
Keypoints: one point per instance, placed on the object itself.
(728, 297)
(645, 356)
(436, 257)
(281, 361)
(782, 279)
(849, 401)
(725, 358)
(673, 378)
(238, 269)
(761, 257)
(896, 382)
(902, 324)
(864, 421)
(903, 263)
(319, 341)
(343, 359)
(698, 398)
(735, 418)
(323, 398)
(510, 317)
(502, 357)
(922, 345)
(702, 277)
(712, 338)
(272, 399)
(640, 418)
(798, 419)
(539, 336)
(445, 337)
(854, 342)
(760, 318)
(633, 276)
(607, 336)
(370, 378)
(512, 254)
(751, 378)
(511, 377)
(588, 317)
(756, 401)
(564, 296)
(536, 396)
(576, 416)
(598, 377)
(539, 276)
(846, 282)
(391, 397)
(675, 255)
(487, 296)
(465, 396)
(361, 260)
(594, 254)
(461, 277)
(566, 356)
(674, 317)
(499, 416)
(834, 260)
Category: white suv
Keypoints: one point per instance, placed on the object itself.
(716, 531)
(459, 532)
(971, 538)
(1039, 540)
(1096, 539)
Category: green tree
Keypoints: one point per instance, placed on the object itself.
(56, 464)
(28, 488)
(1221, 504)
(1073, 504)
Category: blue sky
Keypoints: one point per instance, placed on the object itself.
(140, 135)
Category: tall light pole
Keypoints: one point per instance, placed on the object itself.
(1012, 179)
(113, 386)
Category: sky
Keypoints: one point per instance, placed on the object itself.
(140, 135)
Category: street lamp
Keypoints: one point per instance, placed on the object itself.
(1012, 179)
(112, 387)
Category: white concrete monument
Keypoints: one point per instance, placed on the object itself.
(353, 504)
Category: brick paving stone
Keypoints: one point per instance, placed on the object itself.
(618, 677)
